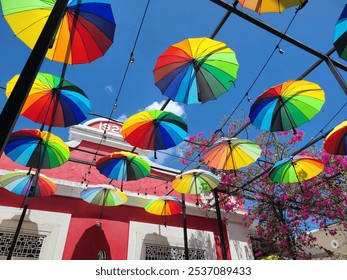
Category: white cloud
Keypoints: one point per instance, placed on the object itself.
(163, 156)
(122, 118)
(109, 89)
(172, 107)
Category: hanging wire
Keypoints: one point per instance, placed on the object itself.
(114, 107)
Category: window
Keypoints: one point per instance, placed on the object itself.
(42, 235)
(158, 242)
(28, 245)
(159, 252)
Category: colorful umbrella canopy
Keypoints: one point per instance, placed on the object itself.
(154, 130)
(295, 169)
(85, 33)
(196, 70)
(103, 195)
(195, 181)
(231, 153)
(164, 206)
(53, 101)
(269, 6)
(21, 182)
(336, 141)
(123, 166)
(340, 35)
(287, 106)
(37, 149)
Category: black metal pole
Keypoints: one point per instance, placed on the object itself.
(315, 65)
(185, 235)
(14, 104)
(220, 225)
(337, 75)
(276, 32)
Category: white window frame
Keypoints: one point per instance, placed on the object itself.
(54, 226)
(140, 233)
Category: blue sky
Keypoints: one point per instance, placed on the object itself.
(168, 22)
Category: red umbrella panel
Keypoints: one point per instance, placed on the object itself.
(336, 141)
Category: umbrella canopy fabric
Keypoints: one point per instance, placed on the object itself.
(103, 195)
(195, 181)
(53, 101)
(296, 169)
(340, 35)
(154, 130)
(336, 141)
(196, 70)
(164, 206)
(21, 182)
(231, 154)
(37, 149)
(85, 33)
(123, 166)
(287, 106)
(269, 6)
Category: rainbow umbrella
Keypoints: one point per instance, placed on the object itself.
(340, 34)
(154, 130)
(336, 141)
(53, 101)
(287, 106)
(270, 6)
(295, 169)
(21, 182)
(164, 206)
(103, 195)
(37, 149)
(123, 166)
(195, 181)
(231, 153)
(86, 31)
(196, 70)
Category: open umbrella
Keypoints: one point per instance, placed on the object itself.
(103, 195)
(20, 183)
(85, 33)
(164, 206)
(123, 166)
(196, 70)
(53, 101)
(37, 149)
(270, 6)
(336, 141)
(296, 169)
(27, 184)
(287, 106)
(154, 130)
(340, 34)
(231, 153)
(195, 181)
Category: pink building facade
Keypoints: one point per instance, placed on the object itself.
(65, 227)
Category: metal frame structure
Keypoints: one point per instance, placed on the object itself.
(13, 106)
